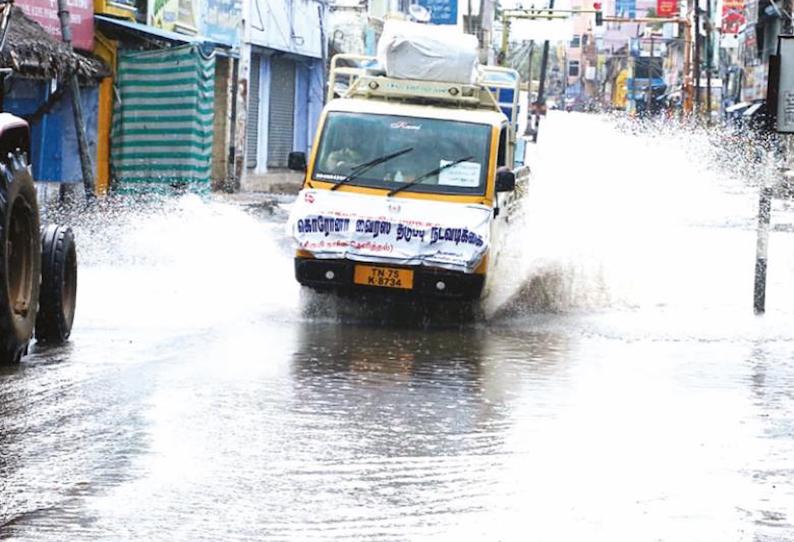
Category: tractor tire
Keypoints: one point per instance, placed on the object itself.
(20, 257)
(58, 296)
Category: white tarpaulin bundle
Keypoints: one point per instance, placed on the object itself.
(399, 231)
(427, 52)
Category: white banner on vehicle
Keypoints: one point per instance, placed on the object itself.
(356, 227)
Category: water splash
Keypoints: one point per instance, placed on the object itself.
(180, 263)
(627, 217)
(619, 217)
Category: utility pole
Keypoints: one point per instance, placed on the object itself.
(529, 67)
(74, 89)
(632, 63)
(650, 78)
(542, 83)
(697, 58)
(686, 83)
(709, 54)
(529, 129)
(564, 75)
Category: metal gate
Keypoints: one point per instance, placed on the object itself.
(252, 122)
(282, 112)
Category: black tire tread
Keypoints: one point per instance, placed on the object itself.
(52, 325)
(15, 182)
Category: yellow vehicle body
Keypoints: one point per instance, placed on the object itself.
(400, 278)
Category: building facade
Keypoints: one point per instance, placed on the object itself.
(282, 81)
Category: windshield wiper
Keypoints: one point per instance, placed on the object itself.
(366, 166)
(428, 174)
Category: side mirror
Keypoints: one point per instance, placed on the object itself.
(505, 180)
(296, 161)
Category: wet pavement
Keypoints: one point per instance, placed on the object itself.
(620, 388)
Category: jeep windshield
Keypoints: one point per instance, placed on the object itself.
(352, 140)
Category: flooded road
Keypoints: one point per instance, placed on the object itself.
(620, 388)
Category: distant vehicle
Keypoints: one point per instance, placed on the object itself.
(409, 185)
(38, 269)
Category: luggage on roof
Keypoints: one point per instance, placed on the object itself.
(428, 52)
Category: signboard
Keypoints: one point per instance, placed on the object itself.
(750, 46)
(398, 231)
(221, 20)
(174, 15)
(218, 20)
(626, 8)
(785, 88)
(732, 16)
(634, 46)
(441, 11)
(754, 87)
(81, 14)
(751, 12)
(124, 9)
(667, 8)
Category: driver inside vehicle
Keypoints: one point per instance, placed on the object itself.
(345, 156)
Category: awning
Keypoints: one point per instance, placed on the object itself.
(752, 109)
(147, 31)
(737, 107)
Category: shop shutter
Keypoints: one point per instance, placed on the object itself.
(252, 122)
(282, 112)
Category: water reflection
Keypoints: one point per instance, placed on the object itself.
(417, 421)
(405, 392)
(771, 379)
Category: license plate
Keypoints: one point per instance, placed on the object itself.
(385, 277)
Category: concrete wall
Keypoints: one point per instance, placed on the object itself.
(220, 128)
(291, 26)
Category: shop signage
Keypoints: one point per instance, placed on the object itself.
(81, 15)
(667, 8)
(221, 21)
(441, 11)
(174, 15)
(785, 85)
(626, 8)
(732, 16)
(751, 12)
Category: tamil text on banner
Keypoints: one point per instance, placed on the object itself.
(389, 230)
(81, 17)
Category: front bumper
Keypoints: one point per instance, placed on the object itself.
(315, 273)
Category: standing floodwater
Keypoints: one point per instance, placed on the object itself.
(619, 389)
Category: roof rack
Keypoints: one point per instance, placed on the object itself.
(362, 76)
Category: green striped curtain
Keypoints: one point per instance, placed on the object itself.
(162, 120)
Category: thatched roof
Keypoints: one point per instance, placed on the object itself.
(32, 53)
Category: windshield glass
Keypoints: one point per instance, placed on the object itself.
(352, 139)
